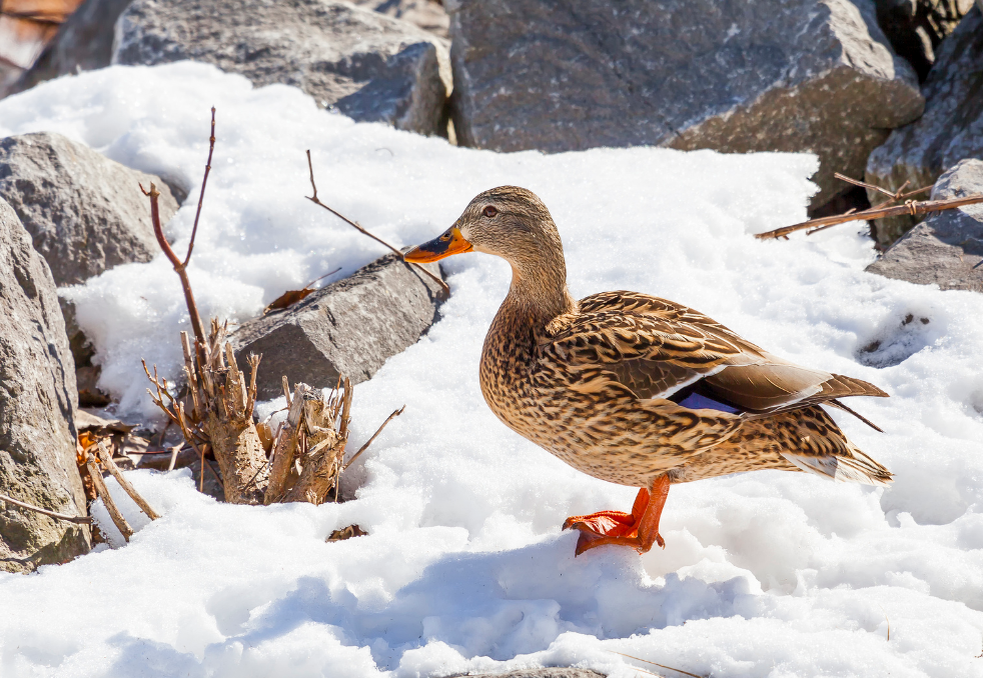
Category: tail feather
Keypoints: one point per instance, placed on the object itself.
(857, 468)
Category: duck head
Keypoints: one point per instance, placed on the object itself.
(507, 221)
(512, 223)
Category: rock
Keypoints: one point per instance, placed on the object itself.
(947, 248)
(37, 409)
(951, 128)
(426, 14)
(85, 213)
(368, 66)
(915, 28)
(350, 327)
(83, 42)
(790, 75)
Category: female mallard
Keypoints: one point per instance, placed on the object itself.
(638, 390)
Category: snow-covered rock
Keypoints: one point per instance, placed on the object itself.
(349, 328)
(950, 130)
(947, 248)
(368, 66)
(37, 409)
(794, 75)
(85, 213)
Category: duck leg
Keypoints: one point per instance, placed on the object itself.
(638, 529)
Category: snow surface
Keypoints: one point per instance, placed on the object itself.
(465, 569)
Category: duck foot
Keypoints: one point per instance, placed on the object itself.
(638, 529)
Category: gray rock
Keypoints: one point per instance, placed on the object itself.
(37, 409)
(951, 128)
(349, 328)
(788, 75)
(83, 42)
(366, 65)
(427, 14)
(946, 249)
(85, 213)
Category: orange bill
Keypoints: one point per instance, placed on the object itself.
(451, 242)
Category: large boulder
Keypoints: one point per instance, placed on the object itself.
(788, 75)
(85, 213)
(348, 328)
(946, 249)
(37, 409)
(84, 42)
(951, 128)
(366, 65)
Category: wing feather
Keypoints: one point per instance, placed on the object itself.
(660, 349)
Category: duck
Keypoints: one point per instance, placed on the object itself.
(638, 390)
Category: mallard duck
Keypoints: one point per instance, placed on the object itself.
(637, 390)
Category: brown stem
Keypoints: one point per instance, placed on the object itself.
(201, 195)
(107, 460)
(911, 208)
(103, 492)
(356, 226)
(81, 520)
(374, 436)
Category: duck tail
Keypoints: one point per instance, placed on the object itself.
(853, 467)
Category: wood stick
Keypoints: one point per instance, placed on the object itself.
(124, 527)
(285, 449)
(356, 226)
(911, 208)
(81, 520)
(201, 195)
(107, 460)
(374, 436)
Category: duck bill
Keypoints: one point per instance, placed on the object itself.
(438, 248)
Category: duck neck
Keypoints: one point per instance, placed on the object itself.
(538, 292)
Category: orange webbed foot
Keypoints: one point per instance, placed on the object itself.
(638, 529)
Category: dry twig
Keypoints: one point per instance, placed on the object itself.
(124, 527)
(661, 666)
(81, 520)
(911, 208)
(364, 447)
(106, 457)
(314, 199)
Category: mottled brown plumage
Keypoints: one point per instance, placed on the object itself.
(634, 389)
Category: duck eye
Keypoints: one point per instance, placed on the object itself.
(490, 211)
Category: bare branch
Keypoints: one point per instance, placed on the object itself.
(124, 527)
(201, 195)
(107, 460)
(911, 208)
(81, 520)
(374, 436)
(356, 226)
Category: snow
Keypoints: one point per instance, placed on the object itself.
(465, 567)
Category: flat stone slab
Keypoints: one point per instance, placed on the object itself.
(85, 212)
(796, 75)
(950, 130)
(369, 66)
(946, 249)
(348, 328)
(37, 410)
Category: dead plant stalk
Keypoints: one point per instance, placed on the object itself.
(910, 208)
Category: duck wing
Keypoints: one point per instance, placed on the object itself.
(663, 350)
